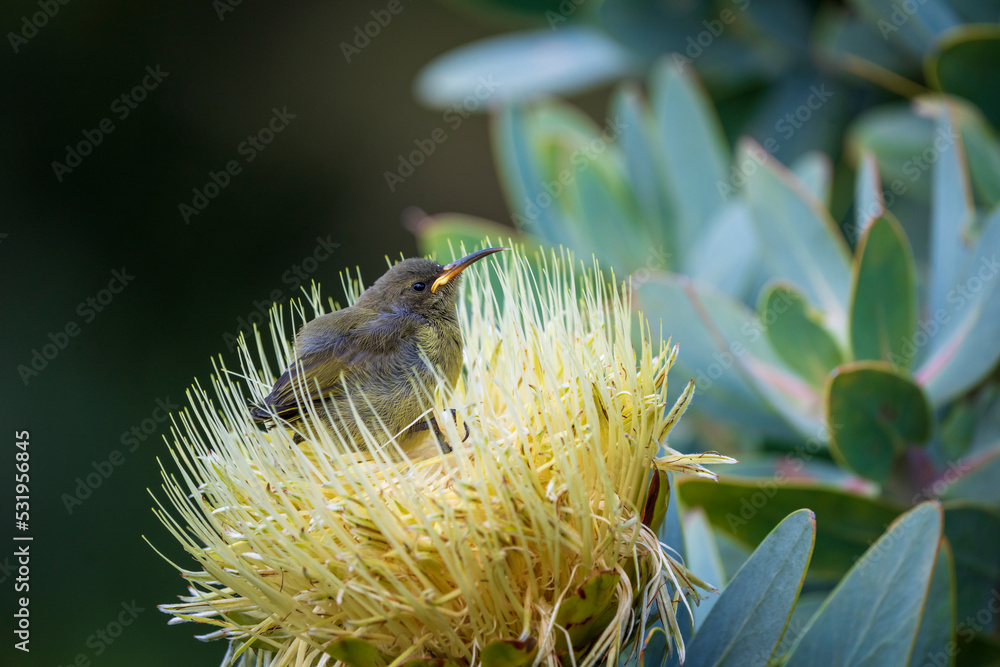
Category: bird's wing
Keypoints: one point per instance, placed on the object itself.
(336, 345)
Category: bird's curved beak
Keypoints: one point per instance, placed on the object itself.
(459, 265)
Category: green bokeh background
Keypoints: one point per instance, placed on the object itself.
(321, 177)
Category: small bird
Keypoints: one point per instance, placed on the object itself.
(377, 349)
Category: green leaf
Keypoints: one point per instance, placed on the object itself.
(977, 479)
(982, 152)
(895, 133)
(702, 556)
(884, 295)
(507, 67)
(974, 534)
(727, 252)
(746, 624)
(815, 171)
(354, 652)
(747, 509)
(844, 41)
(871, 616)
(727, 354)
(801, 240)
(937, 625)
(443, 236)
(962, 334)
(913, 28)
(508, 653)
(963, 60)
(639, 139)
(797, 334)
(693, 146)
(869, 204)
(952, 212)
(599, 201)
(874, 414)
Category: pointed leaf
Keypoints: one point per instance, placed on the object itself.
(874, 414)
(693, 145)
(702, 556)
(895, 133)
(977, 479)
(884, 295)
(639, 142)
(746, 624)
(869, 204)
(871, 617)
(815, 171)
(797, 334)
(952, 212)
(801, 241)
(725, 351)
(974, 533)
(747, 509)
(962, 334)
(936, 637)
(727, 253)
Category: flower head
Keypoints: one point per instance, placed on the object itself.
(531, 542)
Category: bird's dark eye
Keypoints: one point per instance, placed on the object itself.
(418, 287)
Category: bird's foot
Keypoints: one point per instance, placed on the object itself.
(433, 425)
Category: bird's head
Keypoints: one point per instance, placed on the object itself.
(421, 285)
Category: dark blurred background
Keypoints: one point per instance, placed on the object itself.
(322, 177)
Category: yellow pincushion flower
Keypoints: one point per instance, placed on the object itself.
(532, 542)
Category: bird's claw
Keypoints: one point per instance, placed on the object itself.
(431, 424)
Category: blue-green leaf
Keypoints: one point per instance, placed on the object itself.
(747, 622)
(870, 618)
(524, 64)
(815, 171)
(693, 145)
(937, 625)
(869, 204)
(797, 334)
(702, 556)
(801, 240)
(952, 210)
(962, 333)
(884, 295)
